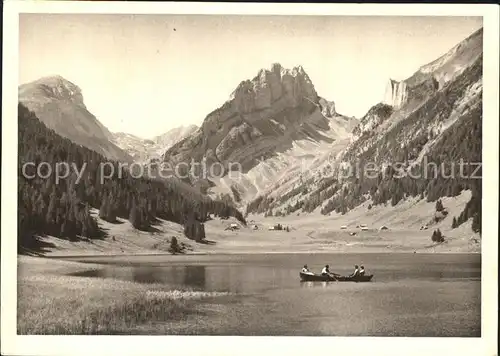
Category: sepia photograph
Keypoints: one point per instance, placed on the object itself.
(221, 173)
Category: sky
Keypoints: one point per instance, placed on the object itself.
(146, 74)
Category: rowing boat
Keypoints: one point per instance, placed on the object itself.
(307, 277)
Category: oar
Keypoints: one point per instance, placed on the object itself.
(334, 275)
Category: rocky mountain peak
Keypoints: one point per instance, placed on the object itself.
(59, 104)
(327, 107)
(54, 87)
(277, 111)
(271, 85)
(276, 67)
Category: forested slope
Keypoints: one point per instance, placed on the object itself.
(62, 209)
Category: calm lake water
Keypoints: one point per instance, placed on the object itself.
(410, 294)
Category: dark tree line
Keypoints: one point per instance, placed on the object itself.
(63, 209)
(259, 205)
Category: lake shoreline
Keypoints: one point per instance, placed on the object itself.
(317, 238)
(243, 252)
(278, 243)
(55, 297)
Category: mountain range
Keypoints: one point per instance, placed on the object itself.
(269, 126)
(292, 145)
(435, 115)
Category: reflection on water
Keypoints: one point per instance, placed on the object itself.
(187, 276)
(146, 275)
(259, 273)
(309, 284)
(194, 276)
(410, 295)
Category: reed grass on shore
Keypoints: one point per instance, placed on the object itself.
(50, 302)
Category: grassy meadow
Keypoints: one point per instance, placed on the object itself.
(51, 302)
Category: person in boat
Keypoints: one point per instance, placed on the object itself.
(362, 271)
(305, 269)
(356, 271)
(326, 271)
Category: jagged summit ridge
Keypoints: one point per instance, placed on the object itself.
(270, 85)
(275, 101)
(270, 124)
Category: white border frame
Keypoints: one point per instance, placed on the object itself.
(13, 344)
